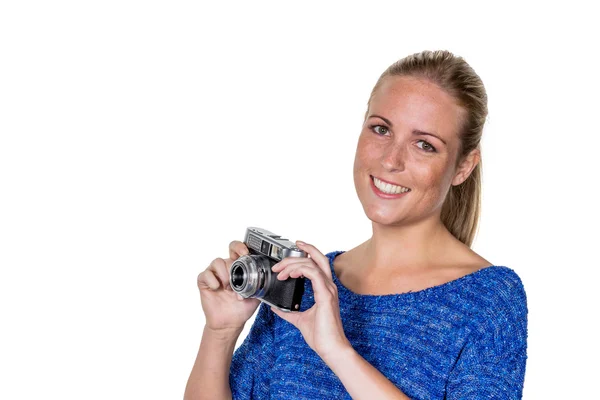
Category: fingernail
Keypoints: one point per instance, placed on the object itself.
(301, 243)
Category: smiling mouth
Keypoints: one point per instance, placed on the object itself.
(388, 188)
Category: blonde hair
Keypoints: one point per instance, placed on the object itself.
(462, 207)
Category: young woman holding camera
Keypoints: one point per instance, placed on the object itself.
(413, 312)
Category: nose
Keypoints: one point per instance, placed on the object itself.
(393, 158)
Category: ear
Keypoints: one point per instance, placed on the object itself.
(465, 167)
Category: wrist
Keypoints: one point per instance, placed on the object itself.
(223, 334)
(338, 354)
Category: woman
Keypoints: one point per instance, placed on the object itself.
(413, 312)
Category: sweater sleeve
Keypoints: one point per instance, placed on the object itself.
(492, 364)
(252, 362)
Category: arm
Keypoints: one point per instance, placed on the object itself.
(489, 367)
(209, 378)
(249, 376)
(322, 329)
(361, 379)
(220, 373)
(492, 363)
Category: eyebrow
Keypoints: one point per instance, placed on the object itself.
(415, 131)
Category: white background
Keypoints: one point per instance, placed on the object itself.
(136, 136)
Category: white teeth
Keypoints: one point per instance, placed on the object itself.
(388, 188)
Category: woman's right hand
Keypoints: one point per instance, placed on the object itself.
(224, 309)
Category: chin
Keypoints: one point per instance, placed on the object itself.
(386, 219)
(383, 215)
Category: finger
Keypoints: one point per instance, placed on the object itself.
(286, 272)
(324, 292)
(207, 280)
(281, 265)
(237, 249)
(291, 317)
(295, 271)
(221, 270)
(319, 258)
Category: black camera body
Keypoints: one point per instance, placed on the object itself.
(251, 275)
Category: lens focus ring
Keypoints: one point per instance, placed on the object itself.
(250, 275)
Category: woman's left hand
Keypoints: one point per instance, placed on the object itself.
(321, 325)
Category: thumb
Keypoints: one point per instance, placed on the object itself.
(289, 317)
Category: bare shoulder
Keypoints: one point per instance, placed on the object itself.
(342, 260)
(463, 260)
(469, 258)
(473, 262)
(455, 261)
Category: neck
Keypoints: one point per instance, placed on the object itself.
(411, 246)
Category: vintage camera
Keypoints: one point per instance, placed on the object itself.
(251, 275)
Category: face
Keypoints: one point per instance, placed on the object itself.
(393, 147)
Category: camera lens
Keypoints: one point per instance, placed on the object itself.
(250, 275)
(238, 277)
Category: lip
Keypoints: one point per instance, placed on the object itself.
(391, 183)
(385, 195)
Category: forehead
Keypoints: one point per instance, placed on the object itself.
(415, 103)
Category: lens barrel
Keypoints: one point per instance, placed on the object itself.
(251, 276)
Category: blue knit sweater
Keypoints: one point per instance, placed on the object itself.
(464, 339)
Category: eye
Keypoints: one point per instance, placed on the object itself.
(427, 146)
(379, 129)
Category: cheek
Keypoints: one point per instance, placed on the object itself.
(433, 182)
(358, 168)
(366, 152)
(359, 155)
(426, 175)
(364, 159)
